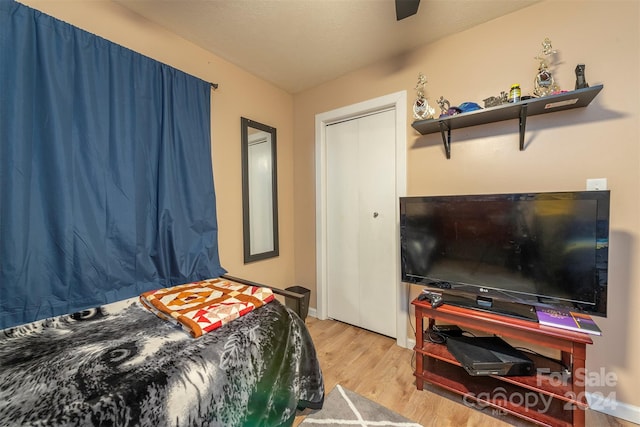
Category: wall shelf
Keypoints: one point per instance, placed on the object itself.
(519, 110)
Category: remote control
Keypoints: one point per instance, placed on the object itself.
(434, 298)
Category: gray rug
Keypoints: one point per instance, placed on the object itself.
(346, 408)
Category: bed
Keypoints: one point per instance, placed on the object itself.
(121, 365)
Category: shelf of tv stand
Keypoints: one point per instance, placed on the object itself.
(434, 364)
(531, 382)
(519, 110)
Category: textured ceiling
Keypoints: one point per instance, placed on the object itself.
(299, 44)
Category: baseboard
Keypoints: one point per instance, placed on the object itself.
(597, 402)
(612, 407)
(312, 312)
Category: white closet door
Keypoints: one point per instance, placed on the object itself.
(343, 267)
(361, 218)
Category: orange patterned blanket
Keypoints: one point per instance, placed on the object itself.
(201, 307)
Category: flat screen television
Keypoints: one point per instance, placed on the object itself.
(509, 252)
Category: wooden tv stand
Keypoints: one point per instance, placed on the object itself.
(544, 399)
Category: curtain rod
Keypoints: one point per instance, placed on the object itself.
(214, 86)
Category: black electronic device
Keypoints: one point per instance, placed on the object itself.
(509, 252)
(489, 356)
(448, 330)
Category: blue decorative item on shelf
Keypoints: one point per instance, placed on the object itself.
(468, 106)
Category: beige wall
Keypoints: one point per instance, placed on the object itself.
(239, 94)
(562, 149)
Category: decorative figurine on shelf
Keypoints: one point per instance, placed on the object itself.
(494, 101)
(544, 83)
(581, 82)
(444, 106)
(446, 109)
(421, 108)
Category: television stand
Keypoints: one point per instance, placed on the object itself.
(543, 399)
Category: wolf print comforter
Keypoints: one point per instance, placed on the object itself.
(120, 365)
(204, 306)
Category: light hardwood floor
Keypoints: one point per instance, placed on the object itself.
(375, 367)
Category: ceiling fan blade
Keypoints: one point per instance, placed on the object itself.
(406, 8)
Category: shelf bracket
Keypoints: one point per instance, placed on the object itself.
(446, 140)
(523, 125)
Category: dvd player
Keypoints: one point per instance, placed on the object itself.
(489, 356)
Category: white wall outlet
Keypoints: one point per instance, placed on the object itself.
(594, 184)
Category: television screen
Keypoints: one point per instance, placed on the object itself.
(534, 248)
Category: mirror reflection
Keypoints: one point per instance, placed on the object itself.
(259, 191)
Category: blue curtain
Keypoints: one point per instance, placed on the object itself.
(105, 166)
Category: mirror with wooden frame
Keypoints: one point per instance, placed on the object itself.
(259, 191)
